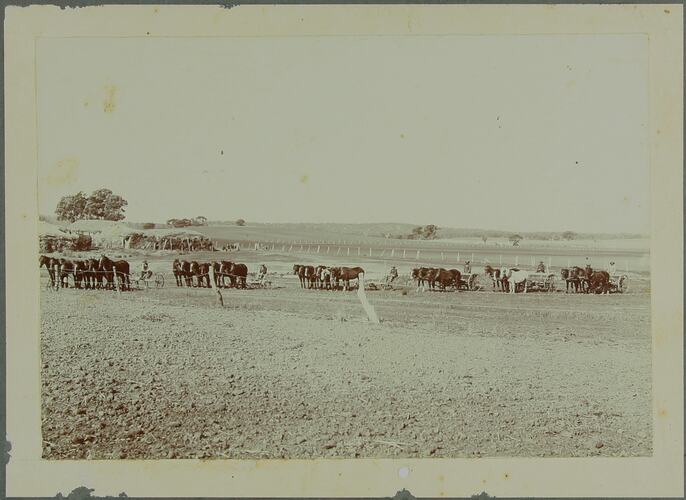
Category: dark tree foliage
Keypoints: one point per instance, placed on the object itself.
(102, 204)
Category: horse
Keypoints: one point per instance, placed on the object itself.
(425, 275)
(225, 271)
(311, 276)
(325, 278)
(201, 272)
(456, 277)
(573, 277)
(598, 282)
(80, 269)
(318, 283)
(446, 278)
(514, 277)
(177, 269)
(239, 272)
(346, 274)
(495, 276)
(67, 267)
(299, 271)
(92, 276)
(120, 267)
(185, 271)
(49, 264)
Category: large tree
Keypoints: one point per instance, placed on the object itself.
(102, 204)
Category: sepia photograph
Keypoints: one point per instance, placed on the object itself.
(335, 247)
(297, 245)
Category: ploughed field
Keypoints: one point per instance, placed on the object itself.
(292, 373)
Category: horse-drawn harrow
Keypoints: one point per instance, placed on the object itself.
(541, 282)
(619, 283)
(470, 282)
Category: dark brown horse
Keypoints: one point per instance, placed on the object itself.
(239, 272)
(425, 276)
(306, 275)
(201, 272)
(455, 278)
(80, 269)
(345, 274)
(92, 275)
(177, 269)
(225, 272)
(115, 268)
(299, 271)
(50, 264)
(185, 269)
(598, 282)
(446, 278)
(573, 278)
(311, 276)
(67, 267)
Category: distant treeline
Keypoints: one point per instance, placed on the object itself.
(392, 230)
(537, 235)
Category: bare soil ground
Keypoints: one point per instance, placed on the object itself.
(300, 374)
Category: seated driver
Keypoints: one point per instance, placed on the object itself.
(146, 273)
(541, 267)
(392, 275)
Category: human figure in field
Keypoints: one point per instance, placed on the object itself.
(262, 273)
(146, 273)
(612, 269)
(392, 275)
(541, 267)
(468, 267)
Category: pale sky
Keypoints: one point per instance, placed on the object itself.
(517, 133)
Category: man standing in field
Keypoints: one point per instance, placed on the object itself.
(468, 267)
(262, 273)
(392, 275)
(612, 269)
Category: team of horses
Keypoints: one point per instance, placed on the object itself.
(436, 278)
(586, 280)
(577, 279)
(101, 273)
(197, 274)
(105, 273)
(327, 278)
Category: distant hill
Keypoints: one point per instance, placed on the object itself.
(394, 229)
(386, 229)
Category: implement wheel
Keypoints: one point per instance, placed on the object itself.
(159, 280)
(623, 284)
(474, 283)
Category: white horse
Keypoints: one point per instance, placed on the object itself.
(514, 278)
